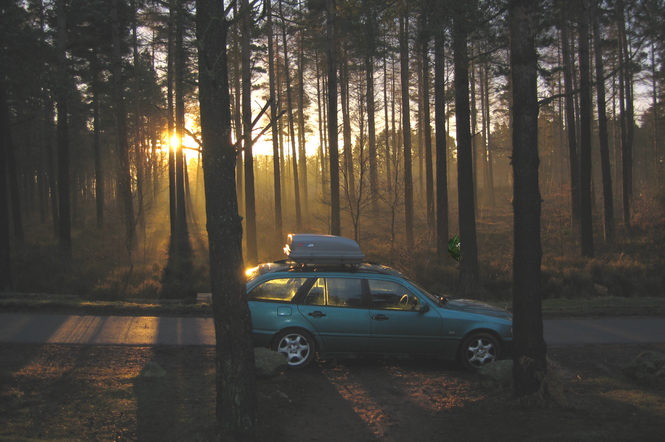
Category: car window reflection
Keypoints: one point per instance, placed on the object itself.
(336, 292)
(281, 289)
(389, 295)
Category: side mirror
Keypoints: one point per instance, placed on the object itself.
(424, 308)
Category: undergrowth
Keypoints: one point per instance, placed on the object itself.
(103, 269)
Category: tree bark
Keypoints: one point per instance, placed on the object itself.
(181, 208)
(250, 198)
(467, 216)
(440, 127)
(427, 128)
(530, 350)
(331, 54)
(289, 104)
(236, 388)
(64, 211)
(277, 182)
(406, 125)
(585, 133)
(608, 204)
(170, 75)
(628, 123)
(5, 254)
(570, 117)
(97, 148)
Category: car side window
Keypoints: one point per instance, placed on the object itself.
(281, 289)
(389, 295)
(336, 292)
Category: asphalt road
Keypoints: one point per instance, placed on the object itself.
(149, 330)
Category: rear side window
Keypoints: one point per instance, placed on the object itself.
(282, 289)
(336, 292)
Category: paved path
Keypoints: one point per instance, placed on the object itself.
(148, 330)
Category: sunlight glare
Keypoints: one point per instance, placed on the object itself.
(175, 141)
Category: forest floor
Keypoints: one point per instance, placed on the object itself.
(85, 393)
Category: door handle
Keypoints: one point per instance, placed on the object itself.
(316, 314)
(380, 317)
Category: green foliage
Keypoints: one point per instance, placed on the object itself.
(454, 246)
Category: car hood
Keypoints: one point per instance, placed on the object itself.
(471, 306)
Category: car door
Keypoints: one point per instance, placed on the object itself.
(401, 320)
(273, 309)
(336, 308)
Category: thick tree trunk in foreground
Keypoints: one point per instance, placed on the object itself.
(236, 387)
(529, 366)
(467, 214)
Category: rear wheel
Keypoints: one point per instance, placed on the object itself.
(297, 345)
(479, 349)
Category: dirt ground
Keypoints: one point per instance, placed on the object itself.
(50, 392)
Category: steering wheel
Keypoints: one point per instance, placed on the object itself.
(404, 300)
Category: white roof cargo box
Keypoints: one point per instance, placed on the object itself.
(307, 248)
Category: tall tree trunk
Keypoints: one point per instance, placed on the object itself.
(467, 216)
(427, 128)
(277, 182)
(250, 198)
(289, 104)
(654, 94)
(14, 193)
(236, 387)
(585, 133)
(608, 204)
(138, 129)
(627, 125)
(97, 148)
(302, 149)
(181, 208)
(322, 135)
(5, 134)
(474, 132)
(237, 114)
(530, 350)
(331, 55)
(371, 129)
(386, 120)
(65, 229)
(51, 163)
(440, 127)
(170, 77)
(349, 170)
(406, 124)
(570, 117)
(490, 167)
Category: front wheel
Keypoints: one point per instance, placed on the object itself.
(297, 345)
(477, 350)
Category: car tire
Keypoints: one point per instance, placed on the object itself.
(477, 350)
(297, 345)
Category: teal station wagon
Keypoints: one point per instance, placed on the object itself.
(325, 299)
